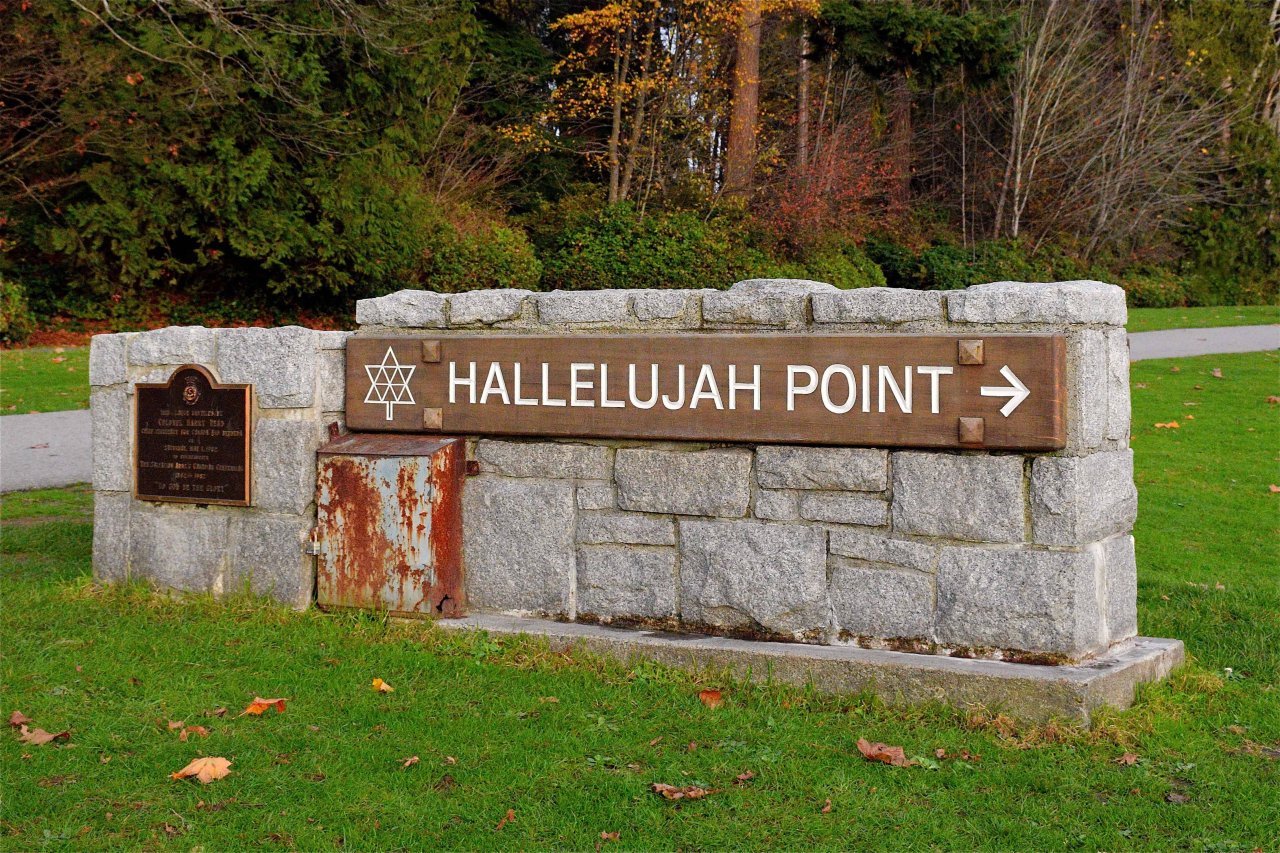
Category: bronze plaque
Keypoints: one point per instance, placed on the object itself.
(191, 440)
(995, 391)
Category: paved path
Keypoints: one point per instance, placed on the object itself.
(1173, 343)
(55, 449)
(46, 450)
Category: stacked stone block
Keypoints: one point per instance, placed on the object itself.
(297, 376)
(1023, 555)
(961, 552)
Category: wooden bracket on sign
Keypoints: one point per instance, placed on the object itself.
(432, 419)
(431, 351)
(969, 352)
(972, 431)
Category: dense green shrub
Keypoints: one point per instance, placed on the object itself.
(16, 321)
(846, 266)
(618, 247)
(945, 266)
(1215, 289)
(271, 147)
(1157, 289)
(468, 252)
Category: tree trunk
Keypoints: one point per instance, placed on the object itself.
(621, 60)
(802, 101)
(900, 133)
(637, 121)
(740, 153)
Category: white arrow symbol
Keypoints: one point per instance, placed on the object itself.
(1016, 393)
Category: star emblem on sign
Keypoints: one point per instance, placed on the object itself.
(389, 383)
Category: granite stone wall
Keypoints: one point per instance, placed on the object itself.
(297, 376)
(997, 554)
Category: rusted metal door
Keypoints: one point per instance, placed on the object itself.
(389, 524)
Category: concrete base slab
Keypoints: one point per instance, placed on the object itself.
(1028, 692)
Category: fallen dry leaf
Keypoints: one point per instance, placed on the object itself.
(1128, 759)
(259, 705)
(610, 836)
(17, 718)
(549, 700)
(409, 762)
(1175, 369)
(382, 686)
(104, 759)
(58, 359)
(939, 753)
(710, 698)
(1177, 797)
(506, 819)
(216, 712)
(39, 737)
(445, 783)
(449, 759)
(174, 725)
(1273, 399)
(656, 741)
(1237, 730)
(688, 792)
(826, 807)
(1216, 373)
(205, 769)
(882, 752)
(1274, 488)
(192, 730)
(1169, 425)
(693, 744)
(743, 778)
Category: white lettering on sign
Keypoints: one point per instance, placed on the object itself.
(840, 387)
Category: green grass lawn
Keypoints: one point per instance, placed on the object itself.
(1154, 319)
(572, 744)
(44, 379)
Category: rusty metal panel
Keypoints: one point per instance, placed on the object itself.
(389, 524)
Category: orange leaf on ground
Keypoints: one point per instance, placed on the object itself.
(192, 730)
(610, 836)
(506, 819)
(449, 759)
(882, 752)
(39, 737)
(205, 769)
(1273, 399)
(259, 705)
(1128, 759)
(1216, 373)
(17, 718)
(382, 686)
(744, 778)
(174, 725)
(710, 698)
(216, 712)
(688, 792)
(409, 762)
(656, 741)
(1274, 488)
(1169, 425)
(826, 807)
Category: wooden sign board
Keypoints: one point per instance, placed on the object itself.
(996, 392)
(192, 440)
